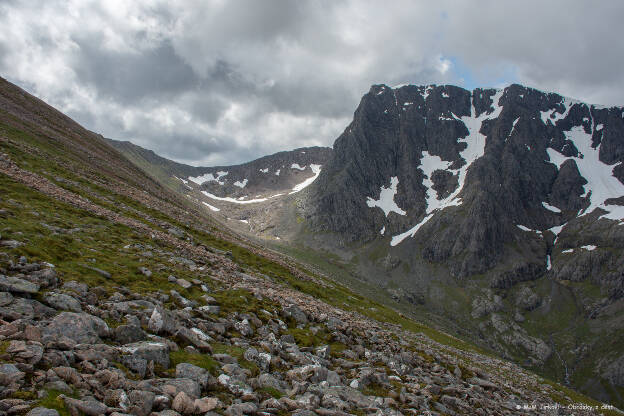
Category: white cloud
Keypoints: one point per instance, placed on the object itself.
(217, 82)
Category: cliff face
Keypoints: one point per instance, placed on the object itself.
(468, 173)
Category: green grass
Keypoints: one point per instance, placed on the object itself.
(271, 391)
(376, 390)
(305, 338)
(204, 361)
(52, 401)
(238, 353)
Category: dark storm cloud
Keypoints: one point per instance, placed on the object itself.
(130, 77)
(217, 82)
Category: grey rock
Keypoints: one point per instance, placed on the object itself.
(183, 404)
(101, 272)
(117, 398)
(141, 402)
(79, 327)
(184, 283)
(138, 355)
(42, 411)
(80, 288)
(208, 310)
(11, 243)
(295, 313)
(144, 271)
(198, 374)
(187, 385)
(45, 277)
(25, 352)
(240, 409)
(188, 336)
(58, 385)
(162, 322)
(88, 407)
(128, 334)
(11, 378)
(267, 380)
(244, 327)
(17, 285)
(62, 301)
(5, 298)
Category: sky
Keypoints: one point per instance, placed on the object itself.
(217, 82)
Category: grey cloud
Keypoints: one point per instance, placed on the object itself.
(229, 81)
(130, 77)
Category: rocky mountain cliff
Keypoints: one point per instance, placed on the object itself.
(505, 206)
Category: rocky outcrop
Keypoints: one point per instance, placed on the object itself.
(263, 369)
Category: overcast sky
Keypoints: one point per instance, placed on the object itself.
(225, 81)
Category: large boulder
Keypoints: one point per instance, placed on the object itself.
(162, 322)
(42, 411)
(128, 334)
(17, 285)
(190, 371)
(81, 328)
(295, 313)
(62, 301)
(25, 352)
(138, 355)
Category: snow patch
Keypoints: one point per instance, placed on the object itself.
(475, 148)
(185, 182)
(383, 230)
(554, 115)
(445, 95)
(548, 263)
(589, 247)
(228, 199)
(277, 172)
(208, 177)
(556, 230)
(241, 184)
(601, 184)
(513, 127)
(265, 170)
(570, 250)
(409, 233)
(317, 170)
(212, 208)
(386, 199)
(523, 228)
(427, 91)
(428, 165)
(550, 207)
(296, 166)
(599, 127)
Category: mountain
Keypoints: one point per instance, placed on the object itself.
(501, 209)
(266, 176)
(493, 214)
(120, 296)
